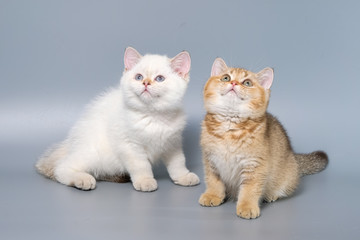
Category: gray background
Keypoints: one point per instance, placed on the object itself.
(55, 56)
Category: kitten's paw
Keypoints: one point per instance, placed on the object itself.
(247, 210)
(145, 185)
(189, 179)
(84, 181)
(210, 200)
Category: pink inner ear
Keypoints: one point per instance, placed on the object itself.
(131, 58)
(266, 78)
(218, 67)
(181, 63)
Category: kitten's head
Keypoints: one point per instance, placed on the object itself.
(154, 82)
(236, 92)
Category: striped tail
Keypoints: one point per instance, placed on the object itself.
(312, 162)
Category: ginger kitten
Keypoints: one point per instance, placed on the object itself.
(128, 128)
(246, 152)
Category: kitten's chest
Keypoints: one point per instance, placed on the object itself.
(155, 130)
(232, 148)
(231, 165)
(231, 136)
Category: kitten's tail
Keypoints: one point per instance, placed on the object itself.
(312, 162)
(46, 163)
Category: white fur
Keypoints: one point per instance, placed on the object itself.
(126, 130)
(232, 166)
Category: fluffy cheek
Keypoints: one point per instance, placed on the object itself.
(211, 104)
(224, 89)
(228, 104)
(154, 91)
(136, 87)
(258, 100)
(217, 104)
(157, 90)
(130, 86)
(214, 98)
(172, 91)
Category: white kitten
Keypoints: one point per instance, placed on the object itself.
(127, 129)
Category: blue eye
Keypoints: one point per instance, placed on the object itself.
(159, 78)
(139, 77)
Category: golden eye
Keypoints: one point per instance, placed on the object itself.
(225, 78)
(247, 83)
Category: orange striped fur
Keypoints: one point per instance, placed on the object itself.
(247, 154)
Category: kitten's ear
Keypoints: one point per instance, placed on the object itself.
(218, 67)
(266, 77)
(131, 58)
(181, 63)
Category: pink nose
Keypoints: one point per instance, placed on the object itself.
(146, 83)
(234, 83)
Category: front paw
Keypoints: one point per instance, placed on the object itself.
(189, 179)
(248, 210)
(210, 200)
(84, 181)
(145, 185)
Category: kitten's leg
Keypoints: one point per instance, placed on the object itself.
(175, 164)
(286, 182)
(250, 193)
(215, 188)
(75, 178)
(140, 172)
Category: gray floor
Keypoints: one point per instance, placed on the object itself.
(57, 55)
